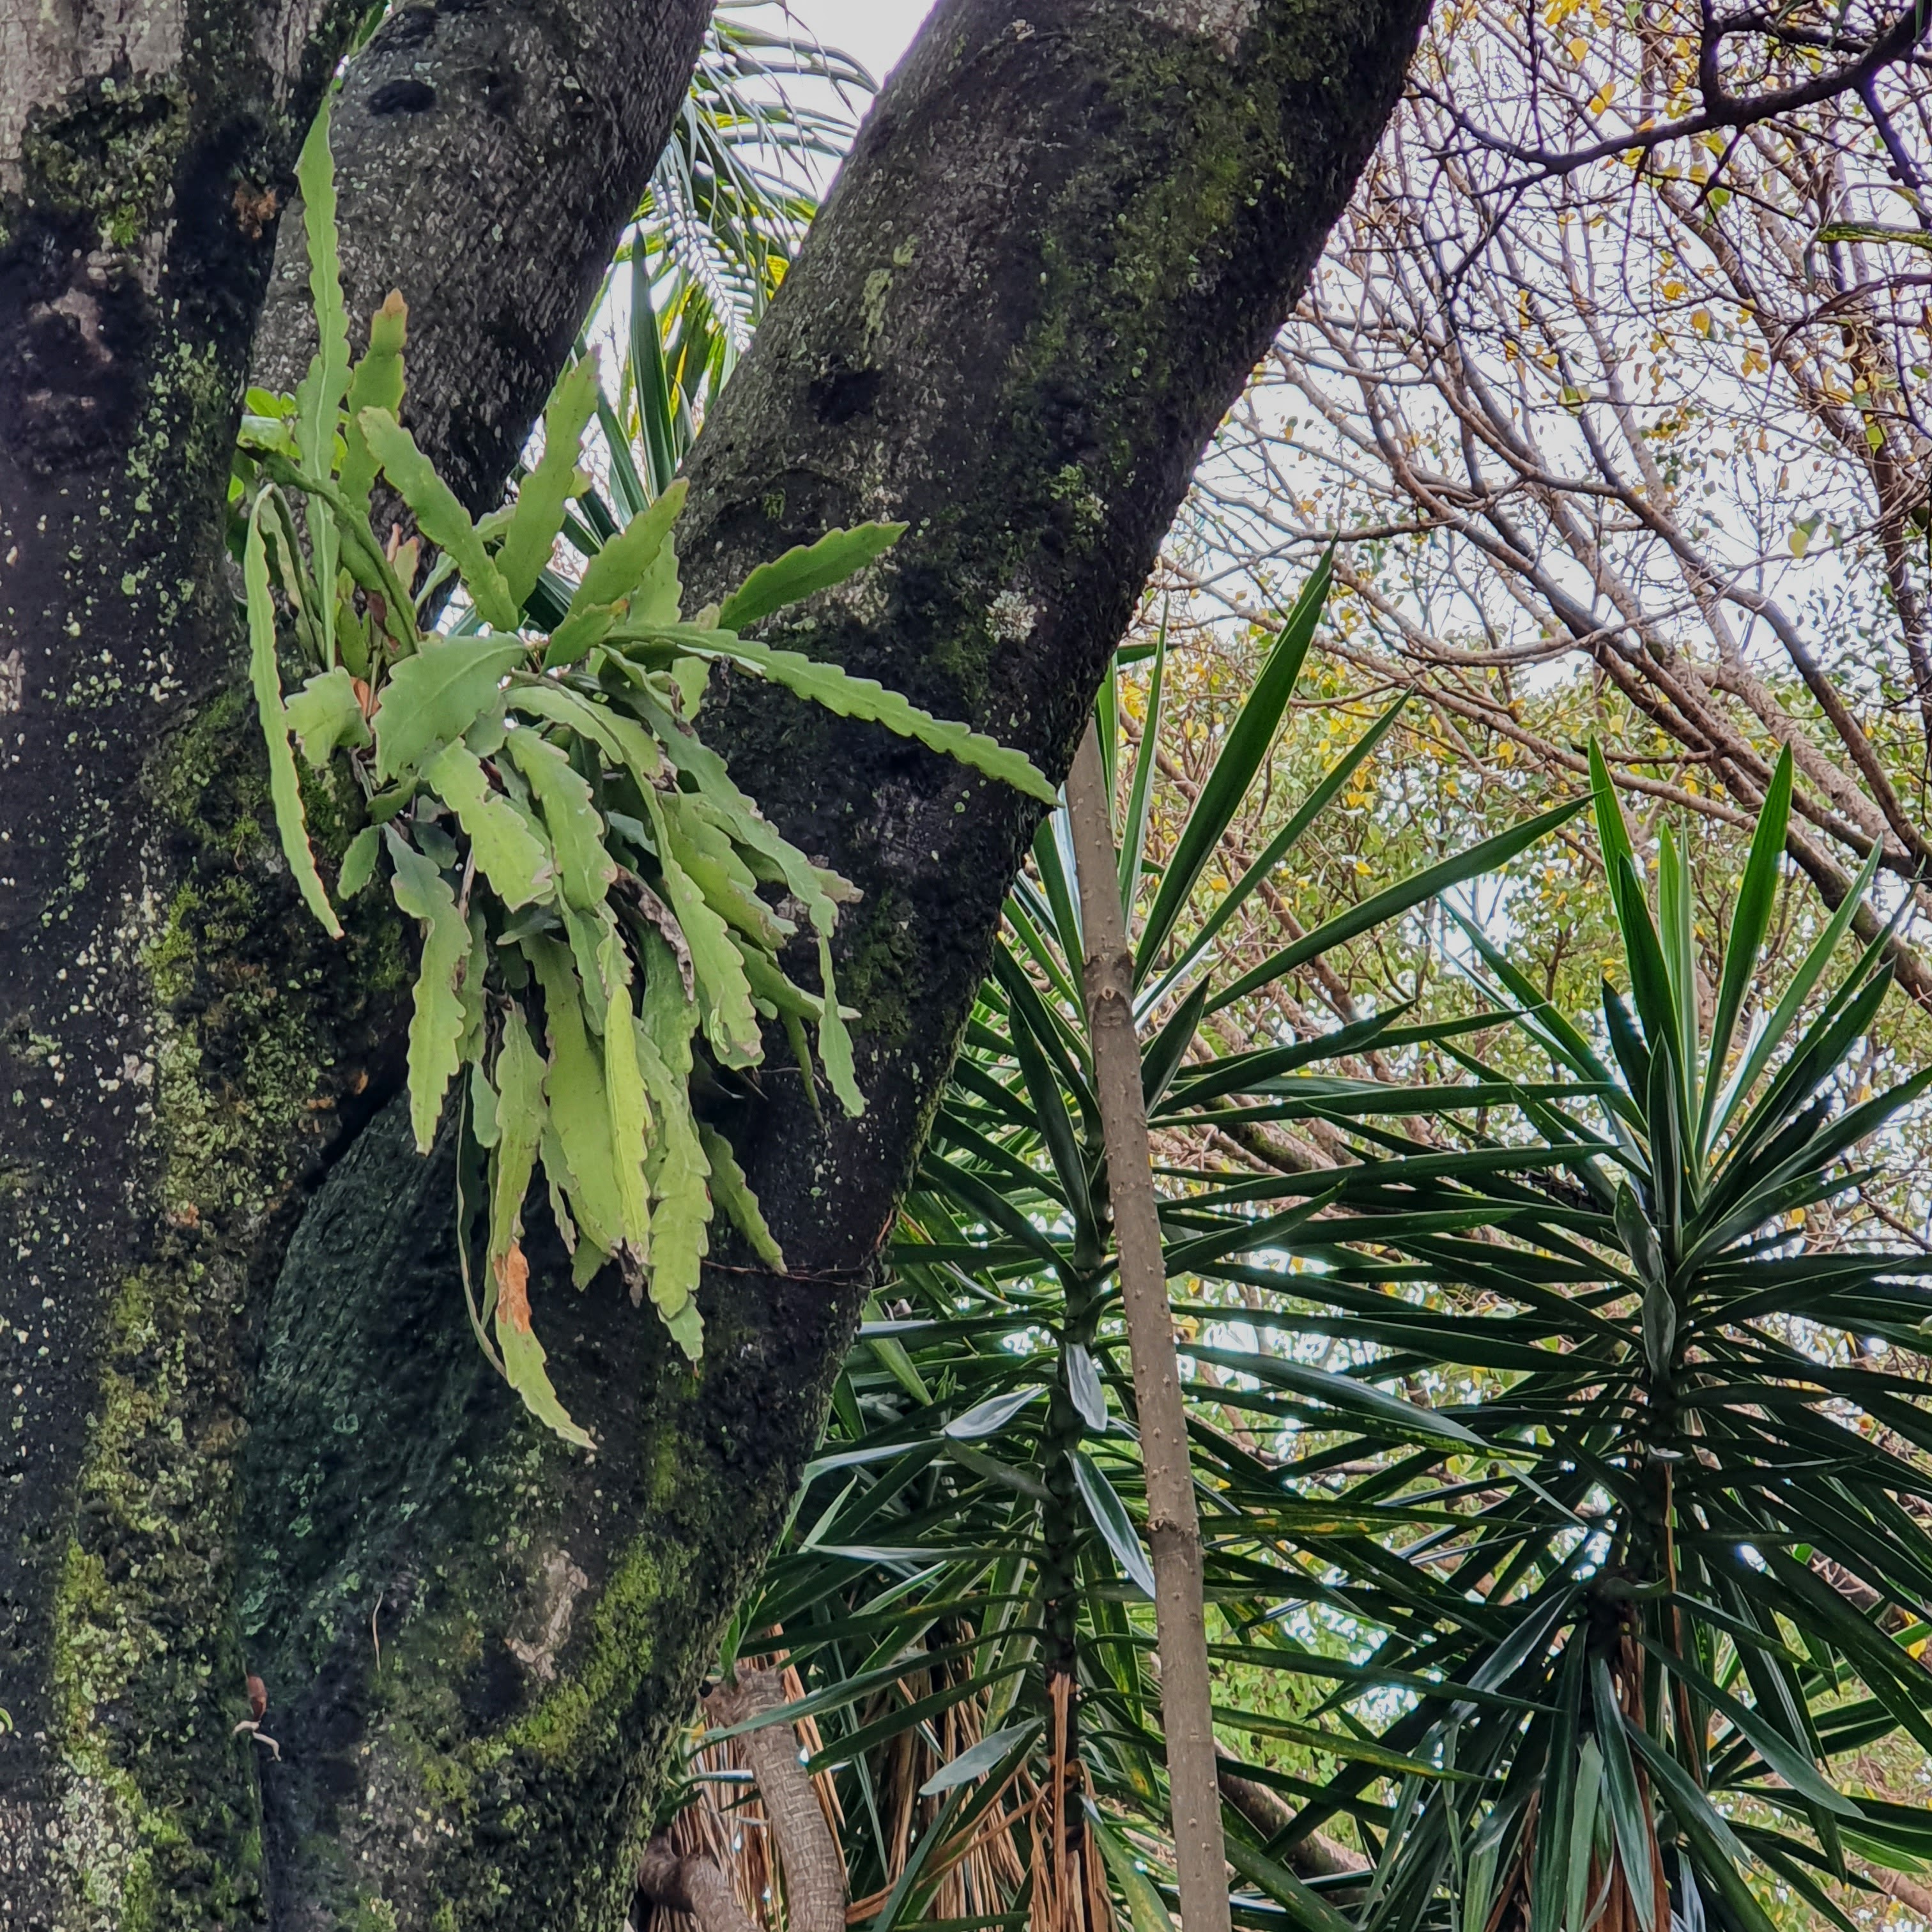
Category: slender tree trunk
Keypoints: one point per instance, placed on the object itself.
(814, 1873)
(802, 1845)
(1061, 245)
(1173, 1525)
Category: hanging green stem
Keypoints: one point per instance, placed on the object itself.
(598, 902)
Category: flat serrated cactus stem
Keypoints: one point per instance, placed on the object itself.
(1173, 1527)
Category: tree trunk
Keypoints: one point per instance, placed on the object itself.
(487, 157)
(1060, 246)
(174, 1041)
(1173, 1524)
(968, 343)
(180, 1050)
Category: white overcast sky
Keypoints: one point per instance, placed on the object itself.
(874, 32)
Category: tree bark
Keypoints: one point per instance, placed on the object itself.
(174, 1044)
(1308, 1854)
(475, 1643)
(695, 1886)
(487, 157)
(180, 1050)
(1173, 1524)
(814, 1873)
(1060, 246)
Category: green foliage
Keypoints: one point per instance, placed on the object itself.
(973, 1529)
(582, 869)
(1564, 1512)
(1686, 1493)
(284, 788)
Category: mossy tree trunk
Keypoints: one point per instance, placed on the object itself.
(174, 1046)
(1063, 241)
(1057, 250)
(180, 1051)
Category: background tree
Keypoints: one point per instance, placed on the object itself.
(1611, 385)
(1704, 478)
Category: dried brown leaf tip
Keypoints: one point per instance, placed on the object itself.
(513, 1289)
(258, 1706)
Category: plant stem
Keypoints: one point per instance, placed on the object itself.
(1174, 1529)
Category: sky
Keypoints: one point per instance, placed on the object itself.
(874, 32)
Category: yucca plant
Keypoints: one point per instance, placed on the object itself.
(1546, 1462)
(1656, 1551)
(965, 1590)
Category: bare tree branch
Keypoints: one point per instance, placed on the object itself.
(1723, 109)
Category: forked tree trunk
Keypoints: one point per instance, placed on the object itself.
(1060, 246)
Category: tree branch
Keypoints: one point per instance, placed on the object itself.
(488, 158)
(1310, 1854)
(1723, 109)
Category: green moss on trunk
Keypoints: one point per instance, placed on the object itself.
(539, 1615)
(251, 1012)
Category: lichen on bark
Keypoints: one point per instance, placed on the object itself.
(250, 1016)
